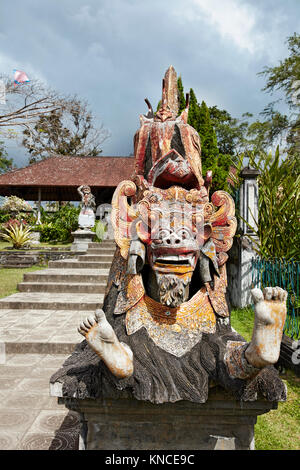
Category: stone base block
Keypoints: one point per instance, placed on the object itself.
(82, 238)
(221, 423)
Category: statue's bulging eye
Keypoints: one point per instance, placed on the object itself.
(163, 234)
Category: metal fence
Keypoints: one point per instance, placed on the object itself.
(285, 274)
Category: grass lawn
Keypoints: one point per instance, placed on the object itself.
(10, 277)
(4, 245)
(279, 429)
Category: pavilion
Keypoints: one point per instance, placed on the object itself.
(57, 178)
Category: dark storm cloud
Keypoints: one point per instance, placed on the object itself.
(115, 52)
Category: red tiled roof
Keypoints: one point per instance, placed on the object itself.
(67, 171)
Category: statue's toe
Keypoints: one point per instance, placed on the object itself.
(257, 295)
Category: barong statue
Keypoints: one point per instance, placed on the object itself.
(86, 217)
(164, 332)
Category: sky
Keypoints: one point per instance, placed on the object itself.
(114, 53)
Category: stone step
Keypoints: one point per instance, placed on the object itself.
(13, 266)
(54, 301)
(41, 331)
(67, 275)
(103, 248)
(94, 257)
(110, 243)
(98, 251)
(60, 287)
(75, 264)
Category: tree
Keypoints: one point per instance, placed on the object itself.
(230, 132)
(71, 130)
(208, 138)
(5, 163)
(26, 103)
(193, 115)
(50, 123)
(181, 97)
(212, 158)
(285, 77)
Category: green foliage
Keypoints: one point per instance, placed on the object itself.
(71, 129)
(4, 217)
(18, 209)
(181, 97)
(209, 145)
(230, 132)
(279, 211)
(285, 78)
(193, 115)
(57, 226)
(5, 163)
(18, 235)
(212, 158)
(100, 229)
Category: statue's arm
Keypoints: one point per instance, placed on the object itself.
(244, 360)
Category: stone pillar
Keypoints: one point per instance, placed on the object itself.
(240, 256)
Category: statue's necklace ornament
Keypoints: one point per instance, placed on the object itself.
(176, 330)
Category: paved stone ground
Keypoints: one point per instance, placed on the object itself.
(38, 331)
(29, 418)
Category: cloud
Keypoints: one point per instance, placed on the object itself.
(234, 20)
(114, 53)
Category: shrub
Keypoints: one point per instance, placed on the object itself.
(15, 204)
(58, 226)
(278, 201)
(100, 228)
(18, 235)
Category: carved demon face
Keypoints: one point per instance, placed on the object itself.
(172, 254)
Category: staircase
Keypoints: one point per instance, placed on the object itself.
(38, 330)
(51, 302)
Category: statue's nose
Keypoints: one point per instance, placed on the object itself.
(172, 239)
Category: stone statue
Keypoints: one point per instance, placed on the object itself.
(87, 213)
(164, 333)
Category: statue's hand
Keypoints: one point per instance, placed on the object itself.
(270, 314)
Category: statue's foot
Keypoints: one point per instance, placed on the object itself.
(270, 314)
(97, 331)
(103, 340)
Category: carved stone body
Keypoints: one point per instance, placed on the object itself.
(165, 334)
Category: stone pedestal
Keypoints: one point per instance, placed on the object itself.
(221, 423)
(82, 238)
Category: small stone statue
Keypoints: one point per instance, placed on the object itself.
(87, 214)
